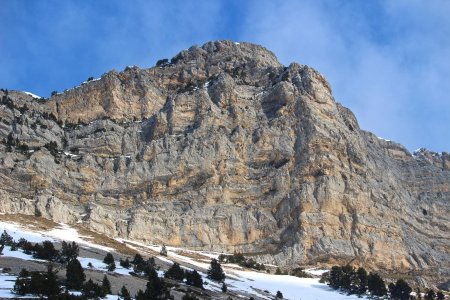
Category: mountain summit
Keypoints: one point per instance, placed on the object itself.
(223, 148)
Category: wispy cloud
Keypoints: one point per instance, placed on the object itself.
(386, 60)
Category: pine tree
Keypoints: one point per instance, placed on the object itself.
(361, 273)
(111, 267)
(92, 290)
(155, 287)
(45, 251)
(22, 284)
(74, 275)
(224, 287)
(140, 295)
(137, 259)
(52, 287)
(376, 285)
(189, 297)
(347, 277)
(106, 285)
(175, 272)
(194, 278)
(6, 239)
(109, 261)
(279, 295)
(215, 271)
(400, 290)
(124, 293)
(335, 277)
(125, 263)
(37, 283)
(430, 295)
(109, 258)
(139, 263)
(69, 252)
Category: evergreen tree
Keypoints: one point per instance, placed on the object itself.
(361, 274)
(194, 278)
(69, 252)
(22, 284)
(111, 267)
(335, 277)
(279, 295)
(189, 297)
(124, 293)
(347, 278)
(224, 287)
(376, 285)
(109, 259)
(106, 285)
(52, 287)
(74, 275)
(400, 290)
(139, 263)
(37, 284)
(137, 259)
(430, 295)
(278, 271)
(92, 290)
(6, 239)
(45, 251)
(215, 271)
(155, 287)
(419, 294)
(125, 263)
(440, 296)
(140, 295)
(175, 272)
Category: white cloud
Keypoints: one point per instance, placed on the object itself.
(386, 62)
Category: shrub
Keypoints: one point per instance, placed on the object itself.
(162, 62)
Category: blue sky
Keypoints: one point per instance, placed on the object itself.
(388, 61)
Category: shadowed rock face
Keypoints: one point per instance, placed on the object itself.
(226, 149)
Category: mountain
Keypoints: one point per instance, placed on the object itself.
(225, 149)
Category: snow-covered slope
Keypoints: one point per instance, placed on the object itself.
(240, 281)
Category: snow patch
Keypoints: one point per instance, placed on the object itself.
(32, 95)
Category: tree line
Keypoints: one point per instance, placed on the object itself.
(359, 282)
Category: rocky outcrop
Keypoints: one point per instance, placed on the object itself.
(225, 149)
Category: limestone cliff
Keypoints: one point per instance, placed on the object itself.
(224, 148)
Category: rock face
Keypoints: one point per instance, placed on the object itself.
(224, 148)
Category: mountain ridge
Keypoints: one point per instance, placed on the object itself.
(224, 148)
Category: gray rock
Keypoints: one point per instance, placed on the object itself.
(225, 149)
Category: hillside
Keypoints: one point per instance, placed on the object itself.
(225, 149)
